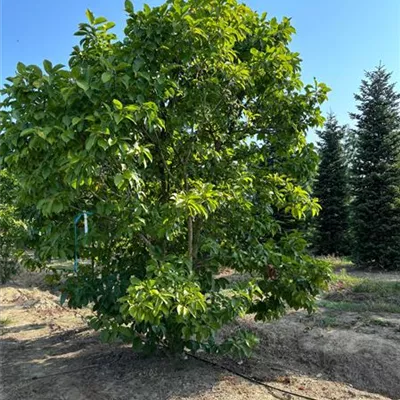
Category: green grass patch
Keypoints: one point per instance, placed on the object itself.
(382, 322)
(355, 294)
(328, 321)
(337, 262)
(379, 288)
(343, 279)
(366, 306)
(5, 322)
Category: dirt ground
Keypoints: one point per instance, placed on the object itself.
(47, 352)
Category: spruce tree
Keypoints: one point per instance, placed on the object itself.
(332, 191)
(376, 173)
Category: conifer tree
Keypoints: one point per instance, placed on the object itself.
(376, 173)
(332, 191)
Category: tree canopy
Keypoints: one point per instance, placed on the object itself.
(186, 139)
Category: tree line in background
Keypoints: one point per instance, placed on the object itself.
(358, 183)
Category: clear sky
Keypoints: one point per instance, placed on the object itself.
(337, 39)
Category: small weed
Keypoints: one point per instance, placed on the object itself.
(381, 322)
(328, 322)
(5, 322)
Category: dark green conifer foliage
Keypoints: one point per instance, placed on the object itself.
(376, 173)
(332, 191)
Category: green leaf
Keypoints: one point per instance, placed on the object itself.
(122, 66)
(103, 144)
(67, 136)
(80, 33)
(57, 207)
(137, 64)
(48, 66)
(75, 72)
(118, 105)
(28, 131)
(99, 20)
(106, 76)
(105, 336)
(90, 141)
(109, 25)
(146, 9)
(90, 16)
(21, 68)
(66, 120)
(119, 180)
(82, 84)
(63, 297)
(177, 7)
(129, 6)
(76, 120)
(131, 108)
(137, 343)
(57, 67)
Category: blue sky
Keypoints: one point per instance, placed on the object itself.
(337, 39)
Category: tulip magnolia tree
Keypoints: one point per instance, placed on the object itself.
(186, 140)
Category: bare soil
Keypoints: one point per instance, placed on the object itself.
(47, 352)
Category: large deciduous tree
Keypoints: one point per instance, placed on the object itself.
(186, 139)
(332, 191)
(376, 173)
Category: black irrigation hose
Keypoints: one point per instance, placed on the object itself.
(249, 378)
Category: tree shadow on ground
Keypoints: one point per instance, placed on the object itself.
(77, 366)
(21, 328)
(366, 357)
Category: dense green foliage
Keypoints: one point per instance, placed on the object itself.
(13, 231)
(332, 191)
(186, 139)
(376, 174)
